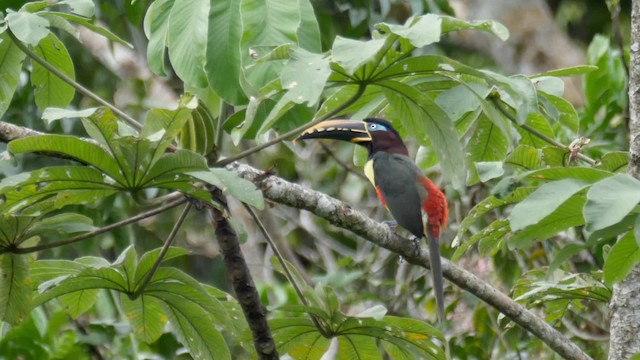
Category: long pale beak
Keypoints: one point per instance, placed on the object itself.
(345, 130)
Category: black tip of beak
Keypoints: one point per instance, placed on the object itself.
(345, 130)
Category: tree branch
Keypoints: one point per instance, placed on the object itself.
(344, 216)
(243, 284)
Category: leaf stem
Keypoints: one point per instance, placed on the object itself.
(167, 243)
(88, 93)
(346, 104)
(99, 231)
(285, 267)
(506, 112)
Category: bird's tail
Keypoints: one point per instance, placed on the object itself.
(436, 271)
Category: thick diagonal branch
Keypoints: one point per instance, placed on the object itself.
(343, 215)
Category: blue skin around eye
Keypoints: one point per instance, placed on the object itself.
(377, 127)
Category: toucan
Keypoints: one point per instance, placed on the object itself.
(414, 201)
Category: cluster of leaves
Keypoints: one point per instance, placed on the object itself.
(266, 59)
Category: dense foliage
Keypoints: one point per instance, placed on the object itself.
(555, 223)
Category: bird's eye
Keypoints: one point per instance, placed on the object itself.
(372, 126)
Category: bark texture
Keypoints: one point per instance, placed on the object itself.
(244, 287)
(625, 302)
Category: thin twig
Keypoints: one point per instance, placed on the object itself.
(287, 135)
(99, 231)
(88, 93)
(167, 243)
(505, 111)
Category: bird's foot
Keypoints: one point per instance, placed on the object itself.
(416, 245)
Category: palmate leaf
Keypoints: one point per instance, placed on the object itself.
(149, 258)
(49, 188)
(15, 288)
(146, 316)
(193, 327)
(72, 147)
(12, 228)
(418, 113)
(79, 302)
(89, 278)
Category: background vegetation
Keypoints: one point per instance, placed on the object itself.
(541, 207)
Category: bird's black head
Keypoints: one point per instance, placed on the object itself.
(374, 134)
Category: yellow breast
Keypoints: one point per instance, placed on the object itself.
(368, 171)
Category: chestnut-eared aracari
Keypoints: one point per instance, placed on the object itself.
(414, 201)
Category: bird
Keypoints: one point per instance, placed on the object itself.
(413, 200)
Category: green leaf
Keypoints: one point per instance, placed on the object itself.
(156, 28)
(89, 278)
(525, 157)
(27, 27)
(146, 316)
(51, 114)
(49, 89)
(568, 116)
(614, 161)
(66, 223)
(488, 237)
(84, 8)
(488, 170)
(563, 255)
(90, 25)
(549, 85)
(308, 32)
(418, 113)
(566, 216)
(11, 59)
(487, 143)
(357, 347)
(623, 257)
(539, 123)
(199, 132)
(558, 173)
(79, 302)
(15, 288)
(224, 59)
(232, 184)
(450, 24)
(127, 264)
(459, 100)
(569, 71)
(187, 40)
(544, 201)
(70, 146)
(178, 162)
(305, 76)
(610, 200)
(149, 258)
(299, 338)
(193, 328)
(12, 228)
(352, 54)
(420, 31)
